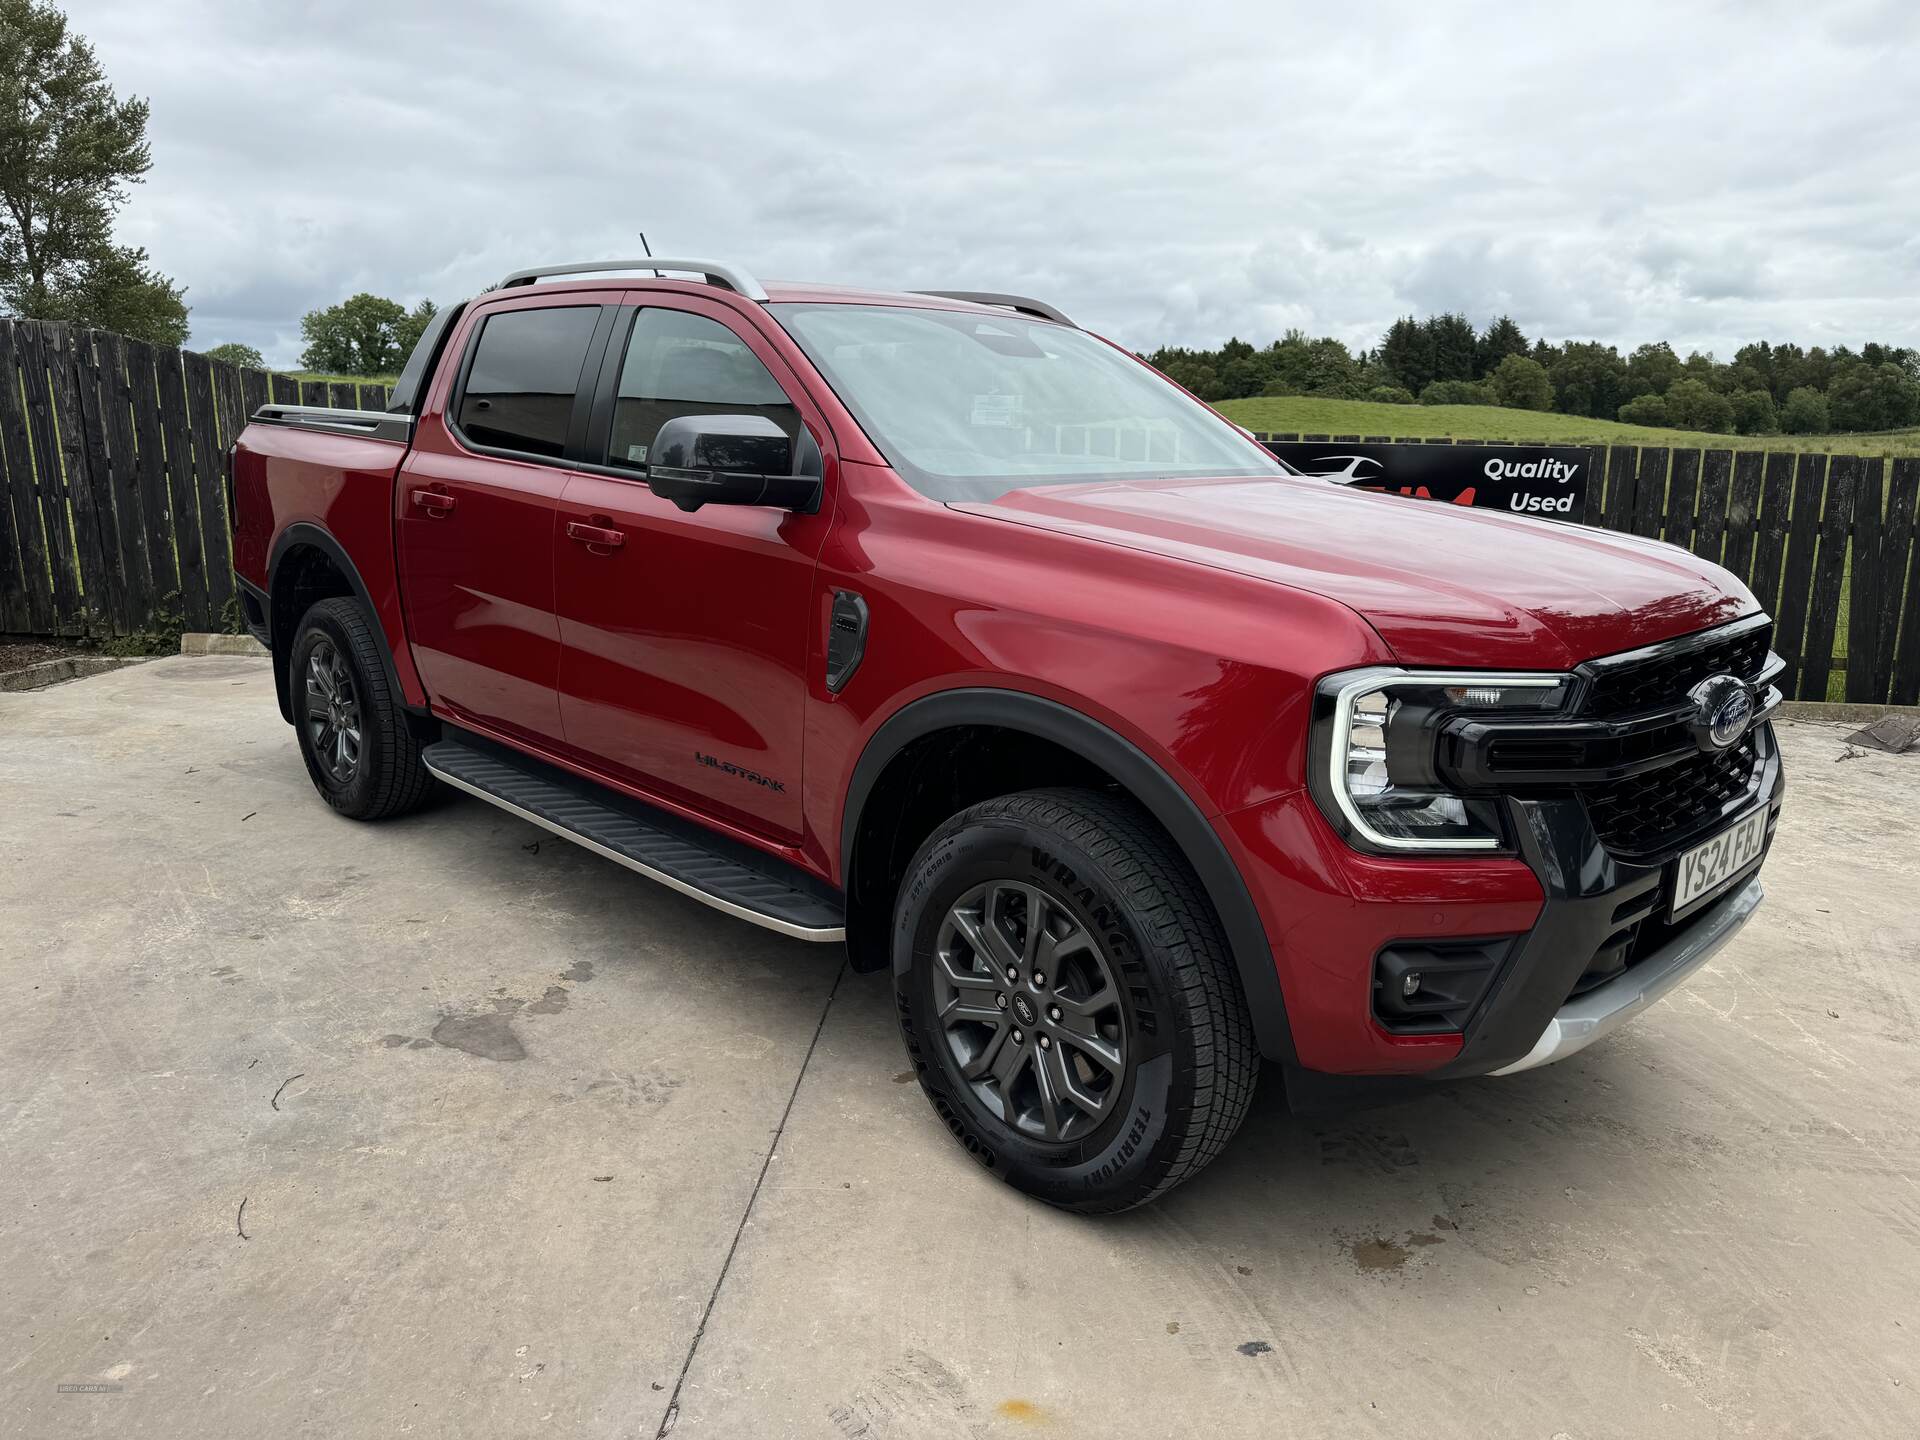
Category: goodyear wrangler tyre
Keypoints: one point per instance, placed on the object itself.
(1067, 999)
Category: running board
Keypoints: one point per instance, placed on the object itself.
(731, 877)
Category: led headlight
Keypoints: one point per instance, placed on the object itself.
(1375, 737)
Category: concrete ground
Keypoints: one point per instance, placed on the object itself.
(528, 1146)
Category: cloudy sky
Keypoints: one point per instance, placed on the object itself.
(1708, 173)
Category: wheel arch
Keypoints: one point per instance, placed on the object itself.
(1075, 736)
(308, 565)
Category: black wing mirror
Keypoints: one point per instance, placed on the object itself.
(732, 460)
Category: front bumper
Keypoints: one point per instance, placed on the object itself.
(1596, 1014)
(1564, 901)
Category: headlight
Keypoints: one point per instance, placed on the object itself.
(1374, 736)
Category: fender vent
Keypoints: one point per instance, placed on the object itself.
(846, 638)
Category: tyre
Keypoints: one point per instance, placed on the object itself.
(363, 757)
(1068, 1001)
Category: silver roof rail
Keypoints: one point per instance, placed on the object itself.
(1021, 303)
(713, 271)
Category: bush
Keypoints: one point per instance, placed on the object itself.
(1753, 413)
(1805, 412)
(1520, 383)
(1692, 404)
(1279, 387)
(1457, 392)
(234, 353)
(1390, 395)
(1872, 397)
(1644, 410)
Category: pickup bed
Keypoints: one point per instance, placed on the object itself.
(933, 625)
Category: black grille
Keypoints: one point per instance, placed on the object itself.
(1663, 680)
(1651, 813)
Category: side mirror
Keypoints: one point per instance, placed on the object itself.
(731, 460)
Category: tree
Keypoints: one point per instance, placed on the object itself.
(69, 150)
(1754, 413)
(1648, 409)
(360, 336)
(1872, 397)
(234, 353)
(1692, 404)
(1453, 346)
(1652, 368)
(1406, 350)
(1457, 392)
(414, 326)
(1521, 383)
(116, 290)
(1502, 338)
(1588, 379)
(1805, 412)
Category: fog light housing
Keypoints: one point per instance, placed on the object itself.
(1434, 987)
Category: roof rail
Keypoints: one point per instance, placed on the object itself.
(732, 277)
(1006, 302)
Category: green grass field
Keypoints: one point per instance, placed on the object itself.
(386, 380)
(1307, 415)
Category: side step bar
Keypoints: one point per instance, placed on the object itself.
(731, 877)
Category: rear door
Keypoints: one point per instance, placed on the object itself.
(684, 660)
(476, 508)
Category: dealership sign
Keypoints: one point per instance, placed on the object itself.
(1546, 480)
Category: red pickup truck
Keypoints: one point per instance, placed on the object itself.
(934, 625)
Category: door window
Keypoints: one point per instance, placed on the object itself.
(683, 364)
(520, 386)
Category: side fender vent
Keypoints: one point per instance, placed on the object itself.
(846, 638)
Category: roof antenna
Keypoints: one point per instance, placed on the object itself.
(648, 251)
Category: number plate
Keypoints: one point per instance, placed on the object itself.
(1703, 868)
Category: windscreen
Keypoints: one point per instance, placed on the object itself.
(967, 406)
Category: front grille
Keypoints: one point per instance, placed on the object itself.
(1652, 813)
(1663, 679)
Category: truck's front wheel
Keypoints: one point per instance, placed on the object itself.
(1067, 999)
(354, 736)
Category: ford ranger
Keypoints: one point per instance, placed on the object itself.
(935, 626)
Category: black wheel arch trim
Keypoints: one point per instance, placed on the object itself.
(306, 533)
(1143, 777)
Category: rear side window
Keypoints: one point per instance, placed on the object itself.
(683, 364)
(521, 384)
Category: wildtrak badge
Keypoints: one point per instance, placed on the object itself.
(752, 777)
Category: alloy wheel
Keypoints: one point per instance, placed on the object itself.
(1029, 1010)
(333, 713)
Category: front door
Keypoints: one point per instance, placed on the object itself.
(476, 517)
(684, 645)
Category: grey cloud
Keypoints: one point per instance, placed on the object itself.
(1642, 171)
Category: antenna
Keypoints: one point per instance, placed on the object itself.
(647, 250)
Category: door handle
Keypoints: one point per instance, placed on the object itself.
(595, 537)
(434, 502)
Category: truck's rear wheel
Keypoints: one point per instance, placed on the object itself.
(1067, 999)
(354, 736)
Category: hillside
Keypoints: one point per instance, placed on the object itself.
(1308, 415)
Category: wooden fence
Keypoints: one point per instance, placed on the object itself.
(113, 509)
(113, 499)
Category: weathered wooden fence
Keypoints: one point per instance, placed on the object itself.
(113, 501)
(1827, 543)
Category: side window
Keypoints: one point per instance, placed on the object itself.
(682, 364)
(520, 386)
